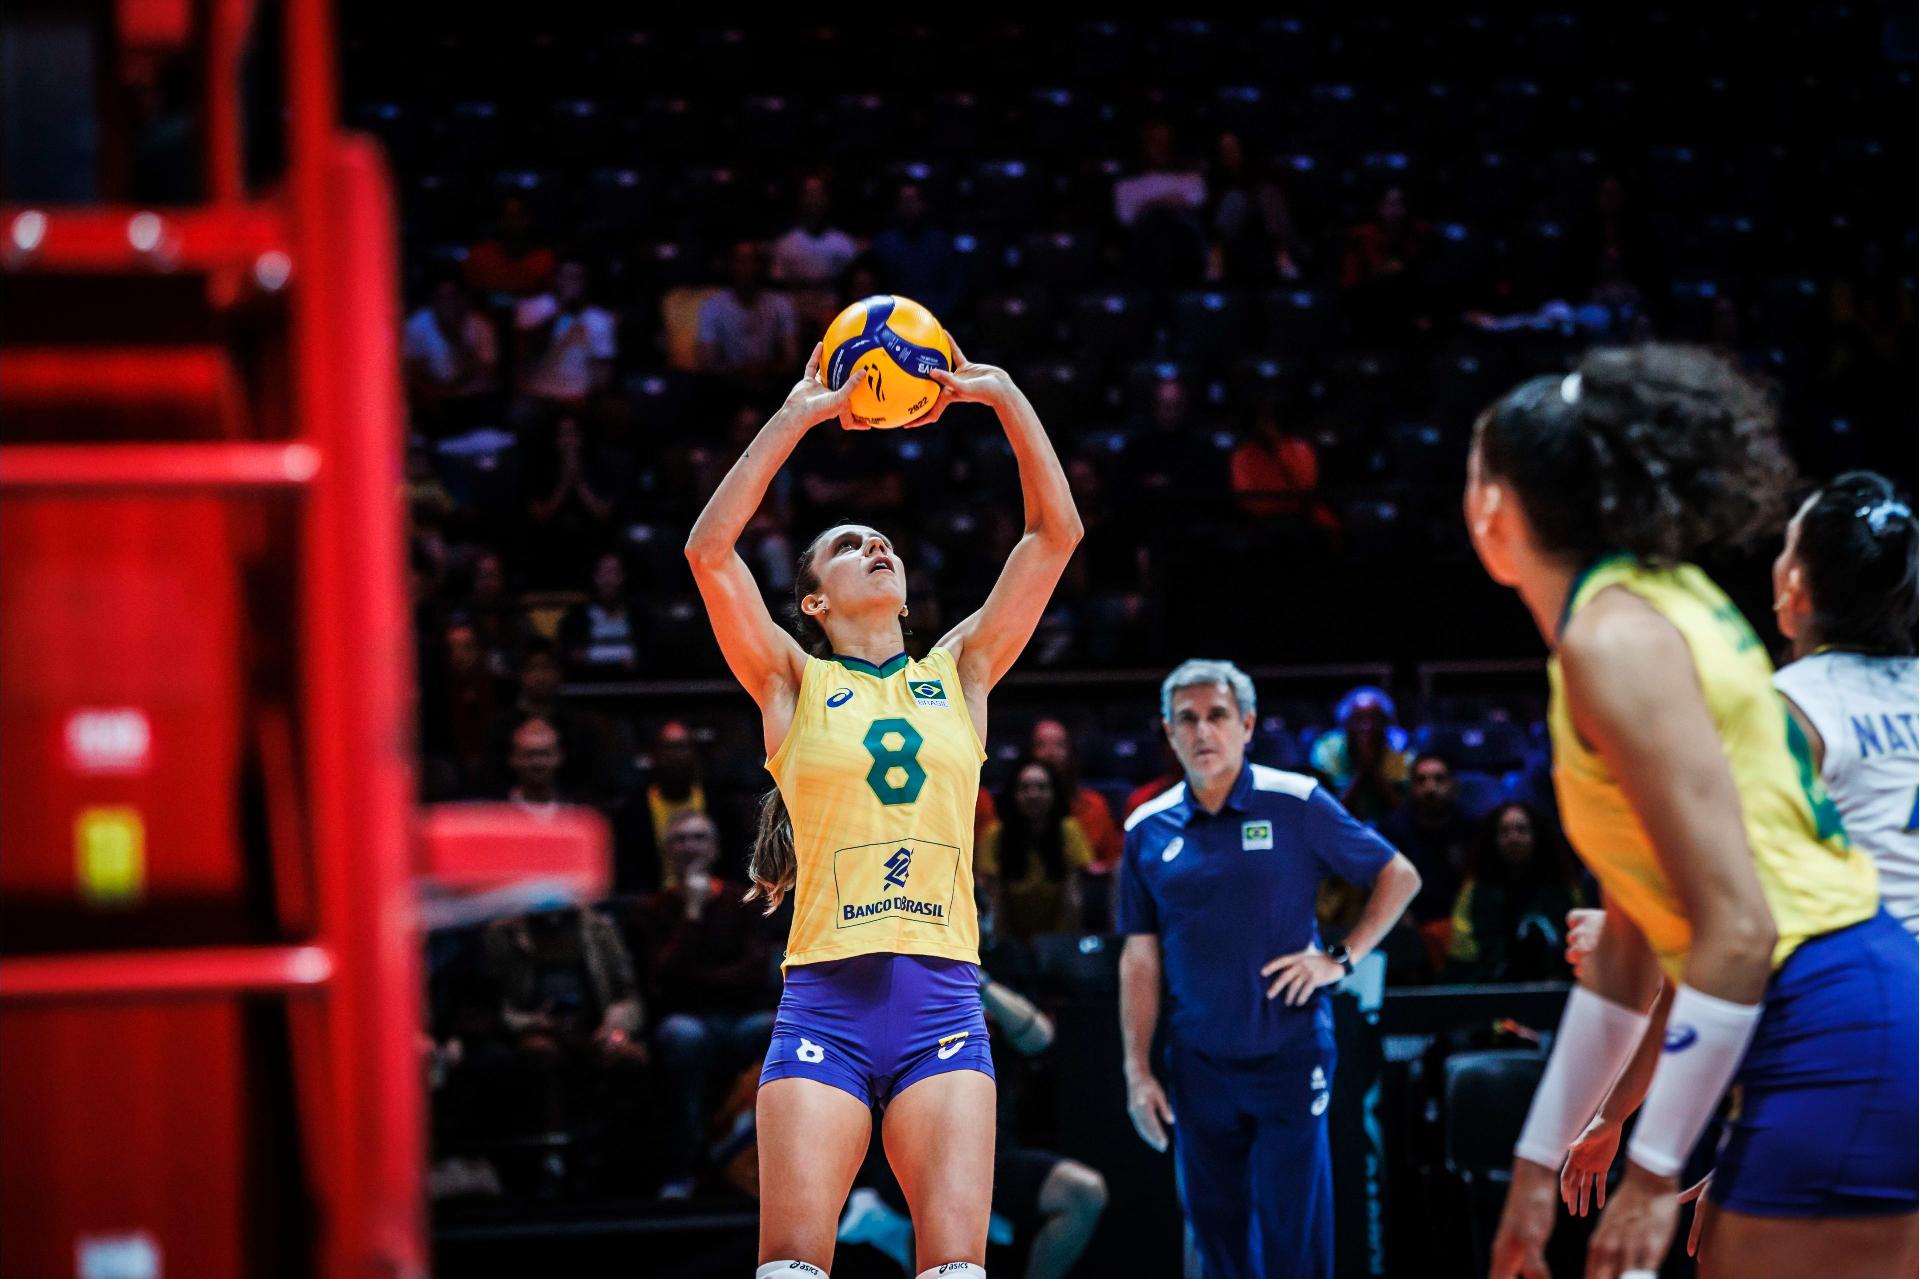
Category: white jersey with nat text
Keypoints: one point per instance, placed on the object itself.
(1867, 712)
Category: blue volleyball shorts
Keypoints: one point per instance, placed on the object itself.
(1825, 1104)
(874, 1024)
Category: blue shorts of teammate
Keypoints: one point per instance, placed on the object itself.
(874, 1024)
(1826, 1108)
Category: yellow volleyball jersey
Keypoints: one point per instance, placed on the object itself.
(880, 772)
(1813, 879)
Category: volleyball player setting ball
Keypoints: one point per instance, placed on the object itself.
(1690, 794)
(876, 762)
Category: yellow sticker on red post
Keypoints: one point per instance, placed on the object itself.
(110, 855)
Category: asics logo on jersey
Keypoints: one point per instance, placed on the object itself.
(1173, 850)
(839, 697)
(1680, 1038)
(951, 1044)
(897, 866)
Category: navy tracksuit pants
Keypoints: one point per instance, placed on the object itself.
(1253, 1162)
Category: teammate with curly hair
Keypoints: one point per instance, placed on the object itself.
(1689, 791)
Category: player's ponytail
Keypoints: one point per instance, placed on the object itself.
(1856, 544)
(1657, 450)
(771, 865)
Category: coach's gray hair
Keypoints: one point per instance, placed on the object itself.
(1199, 671)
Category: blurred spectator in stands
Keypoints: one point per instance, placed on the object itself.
(495, 614)
(1161, 208)
(567, 344)
(599, 636)
(1164, 181)
(1435, 833)
(471, 700)
(1382, 270)
(568, 515)
(452, 357)
(809, 260)
(1032, 859)
(1052, 745)
(1510, 919)
(1173, 458)
(1437, 837)
(535, 760)
(1111, 575)
(746, 329)
(704, 957)
(428, 500)
(472, 1072)
(1276, 472)
(1253, 238)
(539, 698)
(572, 1012)
(675, 784)
(1612, 241)
(512, 262)
(1365, 760)
(914, 258)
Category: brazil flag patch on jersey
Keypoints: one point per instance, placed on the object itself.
(928, 692)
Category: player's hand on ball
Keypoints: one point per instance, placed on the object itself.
(969, 383)
(1526, 1223)
(1150, 1111)
(812, 403)
(1300, 974)
(1583, 1181)
(1636, 1228)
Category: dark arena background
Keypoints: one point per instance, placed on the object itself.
(363, 370)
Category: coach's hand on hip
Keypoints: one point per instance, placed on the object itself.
(1149, 1109)
(1300, 974)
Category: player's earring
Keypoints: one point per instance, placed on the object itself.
(903, 610)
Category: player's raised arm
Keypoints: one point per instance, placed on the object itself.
(986, 644)
(761, 654)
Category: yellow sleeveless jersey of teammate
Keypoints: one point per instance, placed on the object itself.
(881, 772)
(1813, 879)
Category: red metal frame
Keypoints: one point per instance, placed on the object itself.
(349, 849)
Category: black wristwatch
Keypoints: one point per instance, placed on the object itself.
(1340, 956)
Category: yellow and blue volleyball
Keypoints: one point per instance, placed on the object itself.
(886, 345)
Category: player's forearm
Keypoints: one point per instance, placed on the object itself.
(1139, 1012)
(1044, 492)
(1631, 1088)
(1393, 891)
(739, 494)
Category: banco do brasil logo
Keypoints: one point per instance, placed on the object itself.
(897, 866)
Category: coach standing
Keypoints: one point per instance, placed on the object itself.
(1217, 887)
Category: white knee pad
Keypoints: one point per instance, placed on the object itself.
(789, 1270)
(954, 1270)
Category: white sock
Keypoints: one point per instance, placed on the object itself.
(789, 1270)
(954, 1270)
